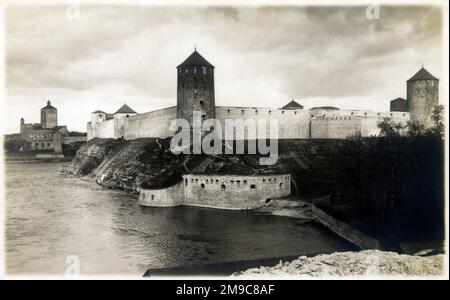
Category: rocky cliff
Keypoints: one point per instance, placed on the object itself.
(149, 162)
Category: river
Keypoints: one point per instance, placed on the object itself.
(50, 219)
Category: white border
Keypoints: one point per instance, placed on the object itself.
(444, 97)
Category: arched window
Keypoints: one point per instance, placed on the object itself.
(281, 185)
(185, 182)
(48, 145)
(36, 145)
(252, 187)
(222, 187)
(42, 145)
(202, 186)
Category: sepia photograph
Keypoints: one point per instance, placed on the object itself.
(229, 140)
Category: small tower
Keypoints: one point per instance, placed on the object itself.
(119, 120)
(422, 94)
(124, 112)
(22, 122)
(195, 88)
(399, 104)
(49, 116)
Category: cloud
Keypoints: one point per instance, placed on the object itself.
(263, 55)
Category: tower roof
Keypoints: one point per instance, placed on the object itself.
(399, 99)
(48, 106)
(125, 109)
(325, 108)
(195, 59)
(422, 74)
(293, 105)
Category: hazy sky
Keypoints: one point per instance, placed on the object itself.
(263, 56)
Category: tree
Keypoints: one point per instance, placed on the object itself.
(415, 128)
(437, 115)
(390, 128)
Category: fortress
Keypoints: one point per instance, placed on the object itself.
(48, 136)
(195, 92)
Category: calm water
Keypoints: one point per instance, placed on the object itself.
(49, 218)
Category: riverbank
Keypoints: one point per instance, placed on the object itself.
(367, 263)
(36, 157)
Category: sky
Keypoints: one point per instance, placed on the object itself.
(100, 57)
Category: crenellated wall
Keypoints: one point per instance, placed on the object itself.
(234, 192)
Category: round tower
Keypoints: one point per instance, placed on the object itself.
(422, 94)
(195, 88)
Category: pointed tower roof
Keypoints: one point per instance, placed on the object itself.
(195, 59)
(293, 105)
(48, 106)
(399, 99)
(125, 109)
(422, 74)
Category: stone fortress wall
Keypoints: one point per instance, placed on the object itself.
(234, 192)
(292, 123)
(195, 92)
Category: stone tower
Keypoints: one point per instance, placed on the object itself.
(195, 88)
(49, 116)
(422, 94)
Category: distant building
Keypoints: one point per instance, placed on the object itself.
(292, 105)
(47, 135)
(399, 104)
(196, 92)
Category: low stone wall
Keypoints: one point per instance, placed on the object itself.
(344, 230)
(167, 197)
(233, 192)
